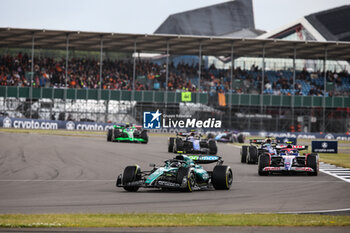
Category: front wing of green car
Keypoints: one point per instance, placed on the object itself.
(128, 139)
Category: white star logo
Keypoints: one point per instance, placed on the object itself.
(324, 145)
(156, 115)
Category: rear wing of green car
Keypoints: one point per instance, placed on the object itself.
(204, 159)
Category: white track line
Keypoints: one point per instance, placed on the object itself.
(315, 211)
(337, 172)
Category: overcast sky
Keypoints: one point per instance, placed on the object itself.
(140, 16)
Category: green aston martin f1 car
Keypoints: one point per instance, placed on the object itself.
(127, 133)
(180, 173)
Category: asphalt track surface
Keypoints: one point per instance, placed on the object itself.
(65, 174)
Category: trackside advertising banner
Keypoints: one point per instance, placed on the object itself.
(325, 146)
(18, 123)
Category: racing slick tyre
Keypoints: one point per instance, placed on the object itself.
(263, 162)
(213, 148)
(252, 157)
(171, 144)
(312, 161)
(222, 177)
(116, 134)
(109, 135)
(244, 151)
(144, 136)
(130, 174)
(179, 145)
(210, 135)
(240, 138)
(191, 180)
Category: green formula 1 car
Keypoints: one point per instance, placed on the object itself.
(182, 173)
(127, 133)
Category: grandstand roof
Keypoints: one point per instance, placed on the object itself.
(179, 44)
(333, 24)
(328, 25)
(214, 20)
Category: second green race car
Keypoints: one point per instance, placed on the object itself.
(127, 133)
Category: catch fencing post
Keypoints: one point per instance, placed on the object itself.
(133, 78)
(324, 90)
(262, 86)
(167, 74)
(31, 77)
(199, 70)
(293, 89)
(230, 95)
(65, 84)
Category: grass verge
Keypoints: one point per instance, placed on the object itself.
(54, 132)
(340, 159)
(169, 220)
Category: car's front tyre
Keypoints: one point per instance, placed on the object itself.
(171, 144)
(222, 177)
(179, 145)
(109, 135)
(130, 174)
(213, 148)
(252, 157)
(263, 162)
(144, 136)
(244, 151)
(312, 161)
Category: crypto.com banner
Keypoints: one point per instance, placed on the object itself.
(19, 123)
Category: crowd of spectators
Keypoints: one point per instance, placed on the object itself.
(118, 74)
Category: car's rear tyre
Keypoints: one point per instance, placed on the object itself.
(109, 135)
(222, 177)
(210, 135)
(240, 138)
(179, 145)
(144, 136)
(244, 152)
(130, 174)
(252, 157)
(264, 161)
(213, 148)
(190, 181)
(116, 134)
(312, 161)
(171, 144)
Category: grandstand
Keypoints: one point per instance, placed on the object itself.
(82, 88)
(84, 73)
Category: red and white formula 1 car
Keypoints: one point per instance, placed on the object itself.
(288, 159)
